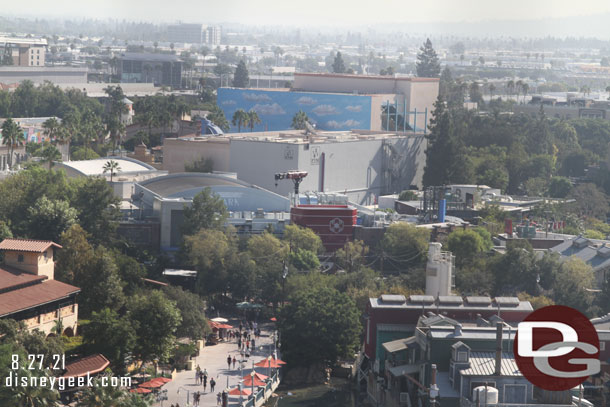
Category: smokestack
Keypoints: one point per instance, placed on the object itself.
(498, 370)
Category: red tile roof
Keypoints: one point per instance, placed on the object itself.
(11, 278)
(34, 295)
(90, 364)
(27, 245)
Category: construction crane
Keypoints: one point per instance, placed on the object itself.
(295, 175)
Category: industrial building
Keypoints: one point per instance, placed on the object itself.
(339, 102)
(14, 75)
(251, 209)
(159, 69)
(23, 51)
(359, 164)
(194, 34)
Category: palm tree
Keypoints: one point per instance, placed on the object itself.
(253, 119)
(29, 396)
(51, 128)
(98, 396)
(510, 87)
(240, 118)
(50, 154)
(112, 167)
(525, 87)
(12, 136)
(299, 120)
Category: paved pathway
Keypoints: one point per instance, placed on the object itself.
(214, 359)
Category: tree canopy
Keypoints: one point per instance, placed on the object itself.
(427, 64)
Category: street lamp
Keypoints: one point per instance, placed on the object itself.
(188, 393)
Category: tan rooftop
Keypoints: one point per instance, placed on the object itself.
(27, 245)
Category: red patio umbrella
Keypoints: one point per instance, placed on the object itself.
(161, 379)
(271, 362)
(236, 392)
(259, 376)
(140, 390)
(248, 381)
(274, 319)
(153, 384)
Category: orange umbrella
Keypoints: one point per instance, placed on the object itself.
(152, 384)
(259, 376)
(140, 390)
(274, 319)
(161, 380)
(236, 392)
(248, 381)
(270, 363)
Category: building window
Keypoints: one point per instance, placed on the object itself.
(20, 258)
(602, 345)
(46, 255)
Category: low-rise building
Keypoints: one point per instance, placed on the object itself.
(29, 291)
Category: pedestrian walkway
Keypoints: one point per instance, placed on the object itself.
(214, 360)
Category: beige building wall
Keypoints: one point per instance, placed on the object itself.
(178, 152)
(46, 322)
(40, 264)
(343, 83)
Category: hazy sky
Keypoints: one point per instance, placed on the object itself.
(305, 12)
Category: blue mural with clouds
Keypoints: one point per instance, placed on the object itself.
(277, 108)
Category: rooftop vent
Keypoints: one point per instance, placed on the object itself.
(392, 299)
(450, 300)
(580, 242)
(507, 301)
(604, 251)
(421, 299)
(478, 300)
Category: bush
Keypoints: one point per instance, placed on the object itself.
(408, 195)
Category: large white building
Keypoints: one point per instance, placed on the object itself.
(24, 51)
(360, 164)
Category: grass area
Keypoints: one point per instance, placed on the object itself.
(337, 394)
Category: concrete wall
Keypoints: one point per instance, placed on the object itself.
(12, 74)
(345, 83)
(421, 96)
(177, 152)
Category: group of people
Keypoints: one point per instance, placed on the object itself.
(201, 377)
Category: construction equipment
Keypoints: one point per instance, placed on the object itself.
(295, 175)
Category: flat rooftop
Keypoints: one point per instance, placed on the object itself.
(96, 166)
(300, 137)
(452, 302)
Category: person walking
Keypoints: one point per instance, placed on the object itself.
(212, 384)
(234, 361)
(205, 383)
(229, 362)
(253, 345)
(218, 399)
(239, 342)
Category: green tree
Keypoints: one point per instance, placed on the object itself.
(51, 128)
(590, 201)
(559, 187)
(111, 335)
(241, 78)
(304, 260)
(572, 284)
(158, 320)
(192, 310)
(324, 319)
(465, 244)
(84, 153)
(408, 195)
(253, 119)
(76, 255)
(352, 256)
(209, 251)
(240, 119)
(50, 154)
(299, 237)
(98, 208)
(48, 219)
(101, 285)
(427, 64)
(100, 396)
(112, 167)
(405, 246)
(269, 254)
(208, 211)
(12, 136)
(299, 120)
(338, 64)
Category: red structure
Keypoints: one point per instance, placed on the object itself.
(333, 223)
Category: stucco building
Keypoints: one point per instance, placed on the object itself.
(29, 291)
